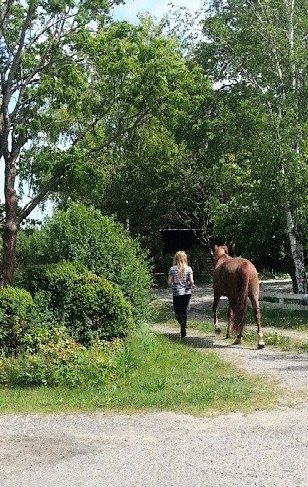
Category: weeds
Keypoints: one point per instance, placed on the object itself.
(153, 373)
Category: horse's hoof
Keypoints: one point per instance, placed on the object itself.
(236, 342)
(217, 331)
(261, 346)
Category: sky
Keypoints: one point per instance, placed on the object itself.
(156, 8)
(129, 11)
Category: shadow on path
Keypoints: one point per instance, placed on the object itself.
(199, 342)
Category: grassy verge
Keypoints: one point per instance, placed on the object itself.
(155, 374)
(293, 320)
(281, 318)
(275, 340)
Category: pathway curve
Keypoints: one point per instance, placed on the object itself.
(290, 369)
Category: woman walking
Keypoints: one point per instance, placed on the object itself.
(181, 279)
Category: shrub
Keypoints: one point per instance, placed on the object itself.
(82, 234)
(61, 362)
(88, 305)
(56, 278)
(25, 323)
(54, 283)
(98, 310)
(15, 307)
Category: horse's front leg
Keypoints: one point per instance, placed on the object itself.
(230, 322)
(215, 304)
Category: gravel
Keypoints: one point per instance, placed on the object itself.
(159, 449)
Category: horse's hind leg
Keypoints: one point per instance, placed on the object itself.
(215, 304)
(256, 309)
(230, 322)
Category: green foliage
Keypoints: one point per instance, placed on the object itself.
(55, 282)
(256, 52)
(97, 309)
(89, 306)
(150, 78)
(81, 234)
(117, 378)
(26, 323)
(61, 361)
(15, 308)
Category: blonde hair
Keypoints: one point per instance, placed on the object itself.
(180, 260)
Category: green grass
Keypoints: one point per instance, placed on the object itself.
(277, 318)
(161, 375)
(280, 319)
(275, 340)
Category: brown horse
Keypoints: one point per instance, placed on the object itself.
(237, 279)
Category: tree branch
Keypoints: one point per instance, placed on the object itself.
(49, 186)
(4, 12)
(21, 43)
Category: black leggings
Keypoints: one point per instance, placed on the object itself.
(180, 305)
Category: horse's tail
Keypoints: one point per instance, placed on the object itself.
(242, 296)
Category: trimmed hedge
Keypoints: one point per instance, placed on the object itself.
(82, 234)
(89, 306)
(56, 281)
(98, 310)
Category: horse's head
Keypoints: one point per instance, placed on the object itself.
(219, 251)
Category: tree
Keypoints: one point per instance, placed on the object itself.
(75, 89)
(257, 51)
(38, 64)
(147, 167)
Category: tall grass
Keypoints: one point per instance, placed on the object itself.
(153, 373)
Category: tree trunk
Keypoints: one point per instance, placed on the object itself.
(293, 277)
(9, 244)
(11, 223)
(297, 254)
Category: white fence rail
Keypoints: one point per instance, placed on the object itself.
(284, 300)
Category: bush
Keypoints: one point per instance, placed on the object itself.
(98, 310)
(61, 362)
(89, 306)
(82, 234)
(54, 282)
(56, 278)
(25, 323)
(15, 308)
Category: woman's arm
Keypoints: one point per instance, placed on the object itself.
(191, 279)
(170, 280)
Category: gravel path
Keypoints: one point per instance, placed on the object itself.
(202, 300)
(261, 449)
(290, 369)
(264, 449)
